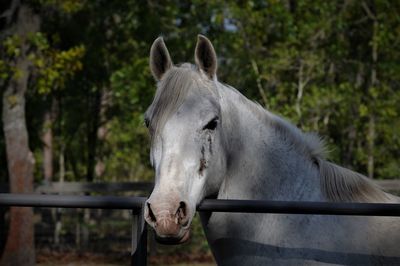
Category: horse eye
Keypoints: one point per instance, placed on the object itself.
(212, 124)
(147, 122)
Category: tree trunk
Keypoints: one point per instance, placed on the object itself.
(371, 123)
(19, 249)
(47, 139)
(102, 131)
(57, 213)
(97, 133)
(92, 140)
(352, 130)
(371, 146)
(371, 136)
(303, 79)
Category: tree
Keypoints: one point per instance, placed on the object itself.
(26, 58)
(22, 22)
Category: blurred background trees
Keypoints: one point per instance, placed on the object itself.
(328, 66)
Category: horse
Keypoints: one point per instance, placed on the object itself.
(208, 140)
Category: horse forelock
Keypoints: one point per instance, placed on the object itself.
(171, 92)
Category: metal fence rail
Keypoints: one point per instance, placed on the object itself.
(300, 207)
(72, 201)
(136, 204)
(211, 205)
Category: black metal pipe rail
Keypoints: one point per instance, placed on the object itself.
(136, 204)
(212, 205)
(300, 207)
(72, 201)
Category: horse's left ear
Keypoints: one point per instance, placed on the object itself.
(205, 56)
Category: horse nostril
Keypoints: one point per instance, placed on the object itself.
(150, 214)
(182, 213)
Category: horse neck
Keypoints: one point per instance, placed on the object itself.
(262, 165)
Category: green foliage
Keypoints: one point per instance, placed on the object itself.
(315, 72)
(52, 66)
(310, 62)
(55, 67)
(67, 6)
(128, 141)
(12, 46)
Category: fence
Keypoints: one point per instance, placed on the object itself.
(136, 204)
(82, 230)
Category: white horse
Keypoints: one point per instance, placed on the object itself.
(208, 139)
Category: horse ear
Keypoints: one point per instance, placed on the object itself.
(160, 61)
(205, 56)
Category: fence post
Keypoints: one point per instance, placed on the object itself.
(139, 239)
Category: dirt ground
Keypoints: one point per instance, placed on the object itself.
(49, 258)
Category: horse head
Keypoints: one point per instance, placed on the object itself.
(187, 144)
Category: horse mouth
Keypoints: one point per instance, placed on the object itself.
(174, 240)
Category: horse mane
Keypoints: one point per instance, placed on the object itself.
(345, 185)
(311, 145)
(338, 184)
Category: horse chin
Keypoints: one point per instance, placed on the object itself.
(174, 240)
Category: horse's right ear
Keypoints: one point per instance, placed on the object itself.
(160, 61)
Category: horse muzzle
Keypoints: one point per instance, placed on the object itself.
(171, 222)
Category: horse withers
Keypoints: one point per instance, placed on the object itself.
(208, 139)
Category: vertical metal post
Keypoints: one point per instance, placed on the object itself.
(139, 239)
